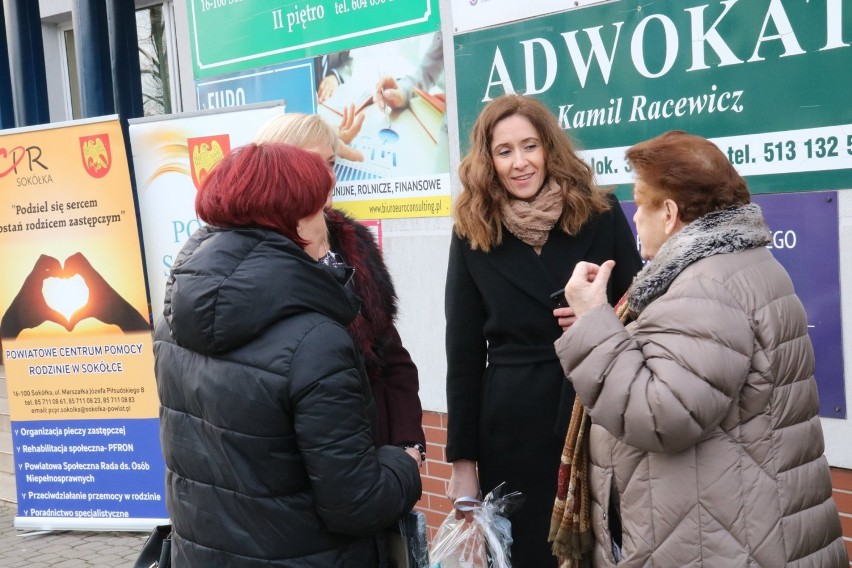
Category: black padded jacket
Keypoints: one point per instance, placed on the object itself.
(266, 418)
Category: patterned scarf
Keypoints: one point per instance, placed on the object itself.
(571, 522)
(532, 221)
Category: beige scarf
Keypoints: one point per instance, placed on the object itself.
(532, 221)
(571, 523)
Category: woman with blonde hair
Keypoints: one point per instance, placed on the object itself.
(393, 375)
(529, 212)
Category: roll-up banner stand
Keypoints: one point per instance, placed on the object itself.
(172, 155)
(76, 332)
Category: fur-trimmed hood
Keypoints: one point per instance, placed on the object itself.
(392, 373)
(373, 284)
(719, 232)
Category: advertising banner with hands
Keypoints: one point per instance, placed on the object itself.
(76, 333)
(394, 160)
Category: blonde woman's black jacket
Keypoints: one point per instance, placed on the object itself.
(393, 375)
(267, 421)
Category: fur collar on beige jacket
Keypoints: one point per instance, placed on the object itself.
(705, 439)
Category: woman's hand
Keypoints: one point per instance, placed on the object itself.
(350, 125)
(327, 87)
(463, 483)
(415, 455)
(29, 308)
(105, 304)
(389, 93)
(349, 153)
(586, 289)
(565, 317)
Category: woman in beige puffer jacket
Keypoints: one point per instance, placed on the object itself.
(705, 447)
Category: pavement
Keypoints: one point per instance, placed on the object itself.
(64, 549)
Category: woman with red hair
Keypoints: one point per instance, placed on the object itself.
(267, 421)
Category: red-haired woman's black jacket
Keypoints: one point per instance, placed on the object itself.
(266, 414)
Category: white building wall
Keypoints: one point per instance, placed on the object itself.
(417, 250)
(54, 69)
(838, 433)
(184, 57)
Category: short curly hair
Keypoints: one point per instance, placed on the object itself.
(691, 171)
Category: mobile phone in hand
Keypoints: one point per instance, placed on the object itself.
(559, 299)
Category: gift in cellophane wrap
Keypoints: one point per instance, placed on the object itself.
(485, 542)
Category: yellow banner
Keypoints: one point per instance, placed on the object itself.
(75, 318)
(398, 208)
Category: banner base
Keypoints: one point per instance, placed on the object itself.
(93, 525)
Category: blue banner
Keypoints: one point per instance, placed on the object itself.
(89, 469)
(805, 241)
(291, 82)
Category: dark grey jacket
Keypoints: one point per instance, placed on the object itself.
(267, 421)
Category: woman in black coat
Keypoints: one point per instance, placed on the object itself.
(530, 211)
(267, 420)
(392, 373)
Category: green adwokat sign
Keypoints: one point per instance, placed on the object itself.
(768, 80)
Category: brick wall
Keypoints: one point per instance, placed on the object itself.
(841, 481)
(436, 474)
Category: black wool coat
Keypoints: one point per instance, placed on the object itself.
(267, 421)
(508, 400)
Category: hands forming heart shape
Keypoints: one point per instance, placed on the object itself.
(67, 295)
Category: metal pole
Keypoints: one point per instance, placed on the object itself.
(91, 42)
(26, 59)
(127, 87)
(124, 51)
(7, 103)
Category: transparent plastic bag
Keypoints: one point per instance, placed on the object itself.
(485, 542)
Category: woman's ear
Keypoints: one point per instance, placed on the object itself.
(671, 217)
